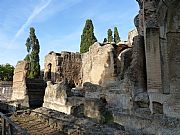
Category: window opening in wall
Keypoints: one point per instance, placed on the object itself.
(49, 71)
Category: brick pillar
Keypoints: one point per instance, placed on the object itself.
(153, 62)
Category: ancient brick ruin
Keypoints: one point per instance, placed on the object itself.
(26, 92)
(64, 65)
(135, 85)
(158, 23)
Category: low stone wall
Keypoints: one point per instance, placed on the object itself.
(35, 91)
(5, 90)
(144, 123)
(56, 97)
(115, 97)
(96, 109)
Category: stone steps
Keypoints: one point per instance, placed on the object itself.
(43, 121)
(35, 126)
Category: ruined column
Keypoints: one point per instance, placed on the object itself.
(153, 62)
(152, 46)
(19, 81)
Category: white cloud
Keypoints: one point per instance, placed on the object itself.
(37, 10)
(55, 7)
(44, 10)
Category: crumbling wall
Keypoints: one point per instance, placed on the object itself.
(26, 92)
(158, 22)
(58, 97)
(19, 81)
(147, 25)
(96, 108)
(131, 35)
(50, 66)
(98, 65)
(61, 66)
(5, 90)
(35, 90)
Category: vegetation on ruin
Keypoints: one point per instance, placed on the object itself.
(110, 36)
(6, 72)
(116, 35)
(32, 57)
(87, 38)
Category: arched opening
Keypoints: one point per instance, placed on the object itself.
(157, 107)
(49, 66)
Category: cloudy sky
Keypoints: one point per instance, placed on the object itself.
(59, 24)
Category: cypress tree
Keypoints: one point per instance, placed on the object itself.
(105, 40)
(116, 35)
(87, 38)
(110, 37)
(32, 58)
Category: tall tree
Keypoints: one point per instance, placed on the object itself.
(116, 35)
(32, 57)
(110, 37)
(87, 38)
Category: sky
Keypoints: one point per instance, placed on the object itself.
(59, 24)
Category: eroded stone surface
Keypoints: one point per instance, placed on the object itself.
(19, 81)
(158, 22)
(98, 65)
(26, 92)
(131, 35)
(48, 121)
(56, 97)
(61, 66)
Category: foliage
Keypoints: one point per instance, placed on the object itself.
(6, 72)
(116, 35)
(110, 37)
(32, 57)
(87, 38)
(105, 40)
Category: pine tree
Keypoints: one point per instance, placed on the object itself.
(32, 58)
(110, 37)
(116, 35)
(87, 38)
